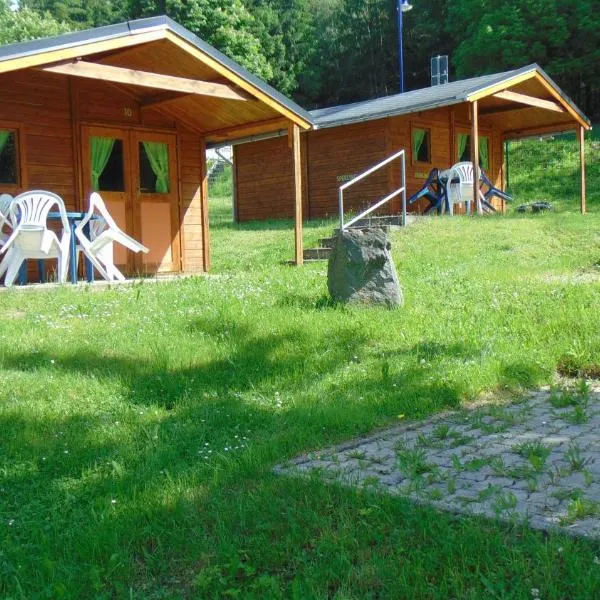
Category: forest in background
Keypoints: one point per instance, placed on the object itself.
(327, 52)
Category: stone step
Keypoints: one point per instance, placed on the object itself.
(317, 253)
(384, 221)
(327, 242)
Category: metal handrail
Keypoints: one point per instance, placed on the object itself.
(400, 190)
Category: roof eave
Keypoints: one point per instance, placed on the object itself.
(40, 52)
(529, 72)
(390, 113)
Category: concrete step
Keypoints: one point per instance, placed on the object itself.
(385, 222)
(317, 253)
(327, 242)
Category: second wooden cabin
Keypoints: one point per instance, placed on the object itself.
(435, 126)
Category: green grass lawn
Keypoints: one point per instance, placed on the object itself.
(140, 425)
(549, 169)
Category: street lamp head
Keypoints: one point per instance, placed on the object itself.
(405, 6)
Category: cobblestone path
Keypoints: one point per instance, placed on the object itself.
(538, 460)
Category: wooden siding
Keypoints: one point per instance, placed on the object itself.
(264, 176)
(190, 205)
(47, 110)
(264, 180)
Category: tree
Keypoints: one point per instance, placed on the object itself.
(26, 24)
(226, 24)
(563, 36)
(80, 14)
(285, 29)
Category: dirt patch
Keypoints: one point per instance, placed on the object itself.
(569, 367)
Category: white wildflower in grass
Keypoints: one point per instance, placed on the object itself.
(535, 593)
(596, 560)
(113, 501)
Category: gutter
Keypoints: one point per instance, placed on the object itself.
(247, 140)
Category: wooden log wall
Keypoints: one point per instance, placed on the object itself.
(47, 109)
(264, 177)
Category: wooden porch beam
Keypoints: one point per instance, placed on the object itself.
(294, 137)
(496, 110)
(557, 128)
(159, 99)
(204, 204)
(237, 132)
(582, 163)
(475, 155)
(146, 79)
(529, 100)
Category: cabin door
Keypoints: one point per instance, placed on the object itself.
(135, 172)
(156, 207)
(106, 163)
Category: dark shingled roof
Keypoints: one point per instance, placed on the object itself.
(81, 38)
(429, 98)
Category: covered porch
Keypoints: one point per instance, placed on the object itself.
(128, 110)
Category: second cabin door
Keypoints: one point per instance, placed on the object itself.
(135, 172)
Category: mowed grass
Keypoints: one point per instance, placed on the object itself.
(140, 425)
(549, 169)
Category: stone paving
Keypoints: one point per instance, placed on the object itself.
(537, 460)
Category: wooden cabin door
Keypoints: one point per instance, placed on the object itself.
(156, 206)
(135, 172)
(106, 156)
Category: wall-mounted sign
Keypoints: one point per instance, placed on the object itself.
(344, 178)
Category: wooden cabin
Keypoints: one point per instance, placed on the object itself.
(128, 110)
(437, 127)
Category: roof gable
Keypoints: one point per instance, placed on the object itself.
(93, 41)
(447, 94)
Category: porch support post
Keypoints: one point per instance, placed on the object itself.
(204, 205)
(582, 162)
(475, 155)
(294, 134)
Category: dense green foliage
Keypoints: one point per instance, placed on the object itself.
(140, 425)
(327, 52)
(27, 24)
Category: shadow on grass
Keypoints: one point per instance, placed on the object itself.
(157, 470)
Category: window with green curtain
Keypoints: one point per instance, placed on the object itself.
(464, 147)
(484, 152)
(100, 152)
(155, 155)
(421, 145)
(8, 157)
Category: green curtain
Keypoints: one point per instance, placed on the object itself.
(158, 155)
(418, 135)
(100, 149)
(463, 139)
(4, 136)
(484, 155)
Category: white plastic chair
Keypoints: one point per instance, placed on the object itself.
(461, 191)
(31, 237)
(6, 201)
(103, 233)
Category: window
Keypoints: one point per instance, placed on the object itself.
(107, 161)
(9, 162)
(463, 149)
(154, 168)
(421, 145)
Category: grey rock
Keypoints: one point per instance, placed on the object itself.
(361, 269)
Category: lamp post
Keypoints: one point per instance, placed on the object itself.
(403, 6)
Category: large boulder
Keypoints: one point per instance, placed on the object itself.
(361, 269)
